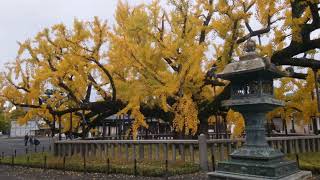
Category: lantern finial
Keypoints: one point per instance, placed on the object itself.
(250, 46)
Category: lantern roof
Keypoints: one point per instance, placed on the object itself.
(249, 64)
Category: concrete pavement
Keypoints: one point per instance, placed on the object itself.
(8, 145)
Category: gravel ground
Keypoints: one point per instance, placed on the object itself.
(22, 173)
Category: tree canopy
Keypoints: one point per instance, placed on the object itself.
(158, 60)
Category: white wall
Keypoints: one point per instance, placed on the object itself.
(21, 130)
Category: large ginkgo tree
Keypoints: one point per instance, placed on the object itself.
(158, 60)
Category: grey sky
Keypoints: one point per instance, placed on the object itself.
(22, 19)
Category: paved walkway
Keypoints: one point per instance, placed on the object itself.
(22, 173)
(8, 145)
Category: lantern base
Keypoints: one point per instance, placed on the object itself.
(271, 169)
(254, 152)
(300, 175)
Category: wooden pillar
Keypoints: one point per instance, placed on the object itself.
(116, 125)
(315, 71)
(59, 127)
(70, 128)
(83, 124)
(217, 128)
(104, 130)
(109, 130)
(146, 133)
(158, 129)
(53, 125)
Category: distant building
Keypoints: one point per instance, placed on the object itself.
(120, 125)
(18, 130)
(295, 128)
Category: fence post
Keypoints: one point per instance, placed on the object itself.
(297, 158)
(141, 151)
(84, 164)
(64, 163)
(12, 160)
(108, 166)
(166, 173)
(213, 162)
(203, 152)
(45, 163)
(15, 153)
(28, 161)
(135, 167)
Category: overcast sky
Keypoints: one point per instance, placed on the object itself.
(22, 19)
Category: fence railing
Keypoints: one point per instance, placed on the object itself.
(139, 137)
(198, 151)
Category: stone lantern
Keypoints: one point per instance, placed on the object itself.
(251, 81)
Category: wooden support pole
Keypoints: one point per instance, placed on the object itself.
(70, 123)
(315, 71)
(53, 125)
(60, 128)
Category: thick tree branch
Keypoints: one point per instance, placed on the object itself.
(206, 23)
(284, 56)
(88, 94)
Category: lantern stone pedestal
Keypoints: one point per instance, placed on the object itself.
(251, 81)
(300, 175)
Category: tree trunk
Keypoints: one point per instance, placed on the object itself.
(203, 128)
(217, 127)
